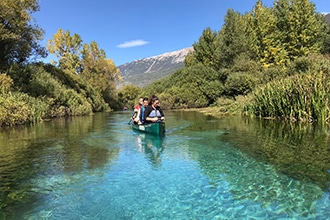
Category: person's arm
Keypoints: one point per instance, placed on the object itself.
(136, 109)
(162, 114)
(137, 116)
(147, 113)
(153, 119)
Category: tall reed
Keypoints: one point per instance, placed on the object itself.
(302, 97)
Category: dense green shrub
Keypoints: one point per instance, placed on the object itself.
(273, 73)
(183, 97)
(65, 94)
(240, 83)
(191, 87)
(128, 95)
(78, 84)
(19, 108)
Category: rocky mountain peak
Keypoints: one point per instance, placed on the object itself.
(147, 70)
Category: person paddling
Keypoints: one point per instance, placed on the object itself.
(153, 112)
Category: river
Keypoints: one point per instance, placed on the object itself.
(97, 167)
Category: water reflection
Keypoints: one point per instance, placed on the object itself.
(52, 148)
(298, 150)
(152, 146)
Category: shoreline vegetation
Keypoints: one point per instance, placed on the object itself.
(271, 63)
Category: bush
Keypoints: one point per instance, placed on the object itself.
(239, 83)
(65, 95)
(192, 87)
(78, 84)
(6, 83)
(19, 108)
(273, 73)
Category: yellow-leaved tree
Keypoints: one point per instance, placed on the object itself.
(99, 71)
(67, 49)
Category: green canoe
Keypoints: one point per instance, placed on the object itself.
(157, 128)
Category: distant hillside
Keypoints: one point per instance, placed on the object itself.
(144, 71)
(327, 18)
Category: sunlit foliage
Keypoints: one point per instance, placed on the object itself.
(19, 35)
(300, 97)
(99, 71)
(67, 49)
(128, 95)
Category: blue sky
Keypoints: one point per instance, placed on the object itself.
(128, 30)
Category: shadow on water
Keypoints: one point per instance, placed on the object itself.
(56, 148)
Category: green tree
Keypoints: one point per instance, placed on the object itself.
(261, 34)
(298, 28)
(232, 41)
(19, 36)
(128, 95)
(325, 31)
(204, 49)
(67, 48)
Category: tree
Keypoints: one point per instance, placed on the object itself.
(262, 34)
(128, 95)
(19, 36)
(299, 30)
(100, 72)
(204, 49)
(67, 48)
(232, 40)
(325, 38)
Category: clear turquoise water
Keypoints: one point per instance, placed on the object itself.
(113, 172)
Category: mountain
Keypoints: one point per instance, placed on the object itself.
(144, 71)
(327, 18)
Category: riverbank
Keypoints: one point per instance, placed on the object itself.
(212, 111)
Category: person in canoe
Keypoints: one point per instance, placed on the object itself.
(142, 111)
(153, 112)
(136, 114)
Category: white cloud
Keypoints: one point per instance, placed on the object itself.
(132, 43)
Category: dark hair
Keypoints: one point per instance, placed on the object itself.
(152, 99)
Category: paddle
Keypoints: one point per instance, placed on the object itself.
(131, 118)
